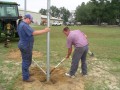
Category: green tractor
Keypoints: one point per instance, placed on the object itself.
(9, 17)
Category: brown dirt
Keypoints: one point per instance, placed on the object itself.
(1, 88)
(101, 74)
(58, 81)
(16, 55)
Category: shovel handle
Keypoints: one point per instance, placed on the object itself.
(52, 70)
(57, 65)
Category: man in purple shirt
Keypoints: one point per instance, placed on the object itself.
(79, 40)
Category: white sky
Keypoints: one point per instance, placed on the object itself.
(36, 5)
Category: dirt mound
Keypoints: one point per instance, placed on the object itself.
(58, 81)
(16, 55)
(1, 88)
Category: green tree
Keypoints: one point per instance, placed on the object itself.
(99, 7)
(57, 12)
(84, 13)
(54, 11)
(43, 11)
(107, 13)
(65, 14)
(81, 13)
(115, 10)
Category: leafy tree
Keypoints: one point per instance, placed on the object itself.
(84, 13)
(57, 12)
(54, 11)
(65, 14)
(81, 13)
(115, 10)
(93, 12)
(98, 11)
(91, 17)
(99, 6)
(107, 13)
(43, 11)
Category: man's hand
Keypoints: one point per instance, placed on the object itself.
(39, 32)
(69, 53)
(47, 29)
(67, 56)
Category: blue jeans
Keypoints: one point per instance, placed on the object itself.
(26, 53)
(79, 53)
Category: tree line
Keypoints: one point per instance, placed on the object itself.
(93, 12)
(98, 11)
(62, 12)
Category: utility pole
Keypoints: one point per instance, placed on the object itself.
(48, 41)
(25, 5)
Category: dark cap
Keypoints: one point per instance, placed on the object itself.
(29, 16)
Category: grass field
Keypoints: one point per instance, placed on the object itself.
(104, 42)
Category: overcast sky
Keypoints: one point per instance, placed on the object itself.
(36, 5)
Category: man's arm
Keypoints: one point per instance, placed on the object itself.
(38, 32)
(69, 52)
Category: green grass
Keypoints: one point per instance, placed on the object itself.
(104, 42)
(97, 87)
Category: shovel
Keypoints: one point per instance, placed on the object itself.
(39, 66)
(57, 65)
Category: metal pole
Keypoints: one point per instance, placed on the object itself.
(48, 41)
(25, 7)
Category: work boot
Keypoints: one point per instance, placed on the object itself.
(29, 80)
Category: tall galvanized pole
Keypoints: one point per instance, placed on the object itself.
(25, 2)
(48, 41)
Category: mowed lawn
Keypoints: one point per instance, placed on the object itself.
(104, 42)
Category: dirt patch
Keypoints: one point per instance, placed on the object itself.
(101, 75)
(58, 81)
(1, 88)
(16, 55)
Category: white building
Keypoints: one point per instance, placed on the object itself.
(52, 19)
(40, 19)
(36, 16)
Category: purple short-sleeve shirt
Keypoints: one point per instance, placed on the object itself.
(76, 38)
